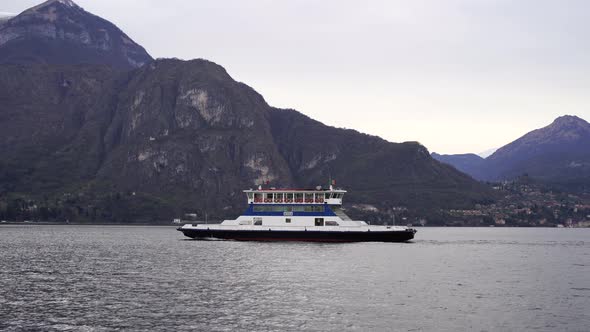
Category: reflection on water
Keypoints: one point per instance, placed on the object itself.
(142, 278)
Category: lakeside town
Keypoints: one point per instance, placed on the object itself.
(524, 203)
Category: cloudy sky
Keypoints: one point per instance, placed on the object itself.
(456, 75)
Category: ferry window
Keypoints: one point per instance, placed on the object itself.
(299, 197)
(319, 221)
(327, 196)
(331, 223)
(277, 208)
(309, 208)
(258, 208)
(318, 209)
(257, 221)
(290, 196)
(258, 197)
(288, 208)
(268, 196)
(288, 220)
(298, 209)
(250, 195)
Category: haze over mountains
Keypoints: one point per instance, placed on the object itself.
(469, 163)
(558, 154)
(92, 128)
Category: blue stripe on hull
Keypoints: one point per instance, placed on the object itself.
(327, 211)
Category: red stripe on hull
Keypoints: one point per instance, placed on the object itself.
(301, 236)
(268, 239)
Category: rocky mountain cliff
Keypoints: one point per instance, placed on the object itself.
(92, 142)
(175, 137)
(558, 154)
(61, 32)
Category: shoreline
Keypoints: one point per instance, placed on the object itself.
(14, 223)
(9, 223)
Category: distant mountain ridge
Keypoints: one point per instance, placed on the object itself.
(61, 32)
(468, 163)
(558, 154)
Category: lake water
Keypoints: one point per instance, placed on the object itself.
(82, 278)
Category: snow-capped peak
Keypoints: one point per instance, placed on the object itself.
(69, 3)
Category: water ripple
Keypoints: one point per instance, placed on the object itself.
(74, 278)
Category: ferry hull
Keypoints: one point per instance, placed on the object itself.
(307, 236)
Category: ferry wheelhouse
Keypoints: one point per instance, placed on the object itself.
(297, 215)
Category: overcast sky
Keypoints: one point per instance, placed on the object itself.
(456, 75)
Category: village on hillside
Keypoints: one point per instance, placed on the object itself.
(527, 204)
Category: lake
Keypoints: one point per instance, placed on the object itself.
(99, 278)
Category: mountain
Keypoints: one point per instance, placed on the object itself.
(468, 163)
(92, 142)
(61, 32)
(378, 172)
(558, 154)
(176, 137)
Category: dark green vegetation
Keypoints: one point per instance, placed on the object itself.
(97, 143)
(374, 169)
(90, 143)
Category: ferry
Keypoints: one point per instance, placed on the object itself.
(297, 215)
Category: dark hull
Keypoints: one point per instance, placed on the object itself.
(309, 236)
